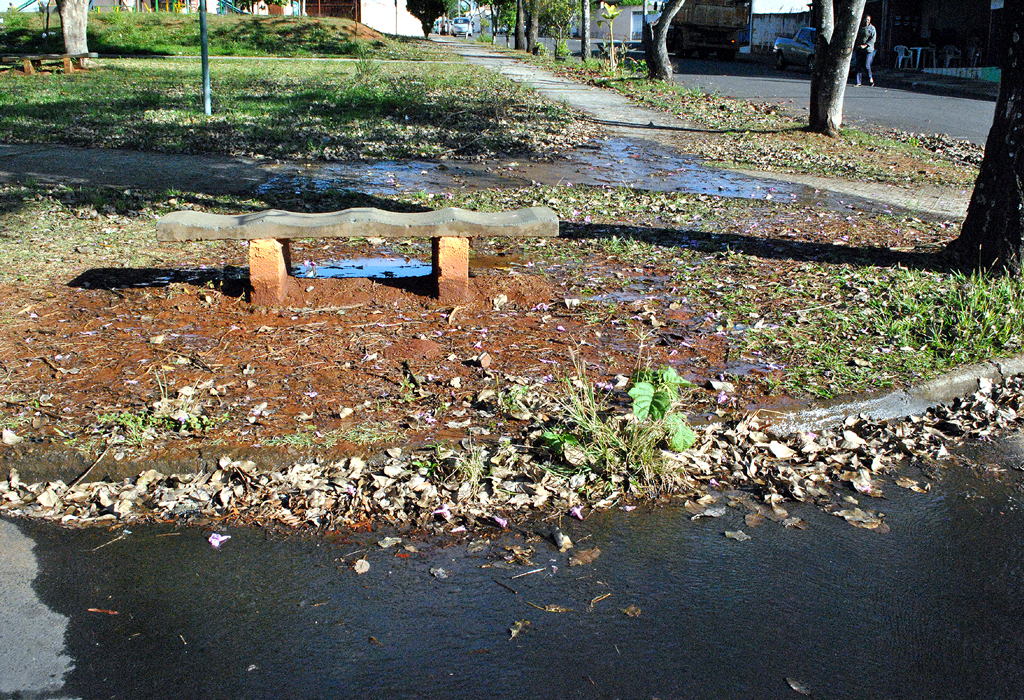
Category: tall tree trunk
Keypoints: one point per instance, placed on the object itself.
(837, 23)
(584, 30)
(659, 66)
(991, 235)
(520, 25)
(74, 16)
(532, 40)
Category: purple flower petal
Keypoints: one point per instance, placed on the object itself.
(217, 540)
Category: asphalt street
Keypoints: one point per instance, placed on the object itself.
(891, 107)
(889, 104)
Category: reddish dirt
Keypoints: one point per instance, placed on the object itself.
(105, 346)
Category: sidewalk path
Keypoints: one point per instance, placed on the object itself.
(624, 119)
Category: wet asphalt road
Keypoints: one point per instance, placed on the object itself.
(670, 609)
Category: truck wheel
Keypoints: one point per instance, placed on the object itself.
(703, 53)
(780, 61)
(726, 55)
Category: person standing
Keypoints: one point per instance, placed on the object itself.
(866, 50)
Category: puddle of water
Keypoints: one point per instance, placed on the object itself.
(934, 605)
(372, 268)
(625, 297)
(612, 163)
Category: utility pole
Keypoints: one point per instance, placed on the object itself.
(207, 110)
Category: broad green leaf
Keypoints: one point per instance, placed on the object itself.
(643, 375)
(661, 403)
(680, 436)
(642, 394)
(558, 440)
(669, 376)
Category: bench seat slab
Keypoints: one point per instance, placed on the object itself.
(356, 223)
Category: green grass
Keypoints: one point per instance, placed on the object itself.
(164, 33)
(274, 109)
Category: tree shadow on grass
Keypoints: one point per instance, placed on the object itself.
(768, 248)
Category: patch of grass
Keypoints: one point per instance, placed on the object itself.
(370, 433)
(957, 319)
(298, 109)
(176, 34)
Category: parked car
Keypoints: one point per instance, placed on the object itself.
(798, 51)
(462, 26)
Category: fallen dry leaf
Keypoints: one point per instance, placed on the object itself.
(586, 556)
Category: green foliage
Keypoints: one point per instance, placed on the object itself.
(426, 11)
(653, 393)
(559, 16)
(138, 427)
(14, 21)
(280, 109)
(957, 320)
(589, 437)
(163, 33)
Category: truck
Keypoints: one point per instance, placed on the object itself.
(706, 26)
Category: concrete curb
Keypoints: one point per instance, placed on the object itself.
(905, 402)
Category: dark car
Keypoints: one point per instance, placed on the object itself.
(798, 51)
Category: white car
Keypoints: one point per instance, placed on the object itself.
(462, 26)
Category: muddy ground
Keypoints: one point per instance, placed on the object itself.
(168, 365)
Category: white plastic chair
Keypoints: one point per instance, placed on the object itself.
(950, 56)
(904, 57)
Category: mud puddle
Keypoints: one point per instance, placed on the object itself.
(610, 163)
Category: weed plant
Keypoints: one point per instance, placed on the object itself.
(592, 437)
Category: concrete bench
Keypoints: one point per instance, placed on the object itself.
(269, 233)
(32, 63)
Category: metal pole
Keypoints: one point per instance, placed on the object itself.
(207, 110)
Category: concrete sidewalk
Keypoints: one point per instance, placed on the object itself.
(622, 117)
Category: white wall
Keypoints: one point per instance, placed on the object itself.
(380, 15)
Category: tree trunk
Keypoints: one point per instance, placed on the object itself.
(991, 235)
(532, 40)
(520, 25)
(584, 30)
(74, 15)
(837, 23)
(659, 66)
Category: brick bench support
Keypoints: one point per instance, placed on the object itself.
(269, 233)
